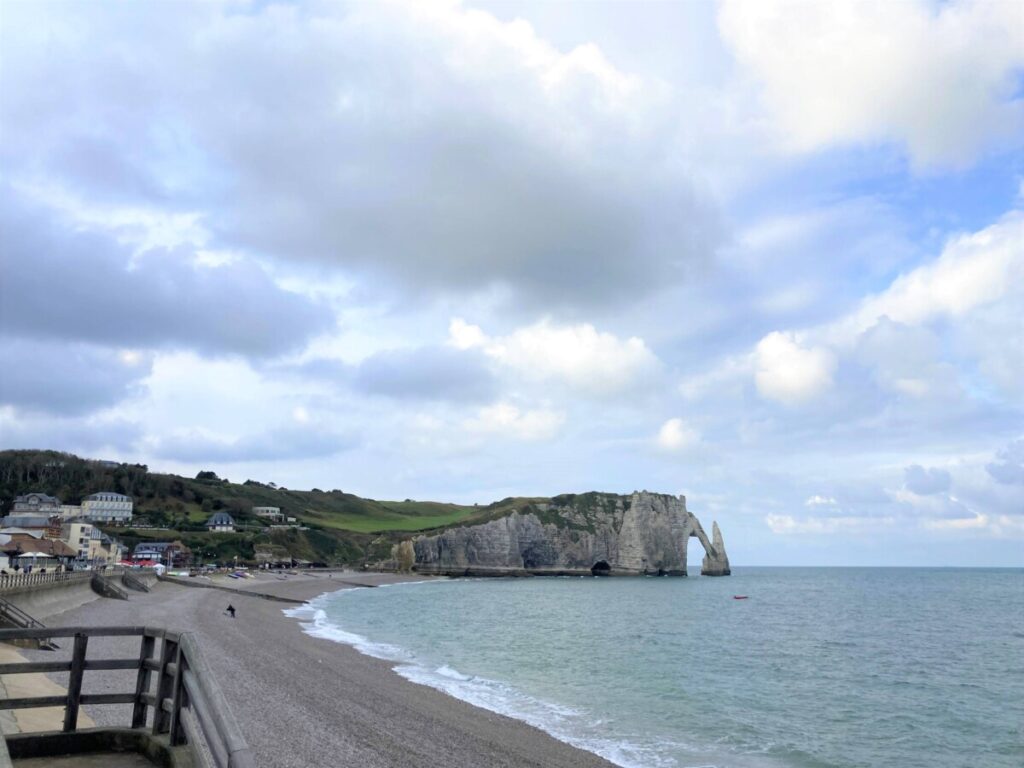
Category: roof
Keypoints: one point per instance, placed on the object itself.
(220, 518)
(39, 497)
(108, 496)
(35, 533)
(25, 521)
(153, 546)
(20, 543)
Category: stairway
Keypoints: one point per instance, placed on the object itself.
(132, 582)
(105, 588)
(12, 616)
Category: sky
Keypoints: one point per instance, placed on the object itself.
(769, 255)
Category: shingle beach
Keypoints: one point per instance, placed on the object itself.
(303, 701)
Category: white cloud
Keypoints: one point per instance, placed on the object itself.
(582, 357)
(989, 526)
(788, 524)
(433, 145)
(973, 270)
(677, 435)
(718, 378)
(939, 80)
(462, 335)
(974, 285)
(508, 420)
(959, 524)
(906, 359)
(789, 372)
(820, 501)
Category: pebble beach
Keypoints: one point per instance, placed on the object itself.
(303, 701)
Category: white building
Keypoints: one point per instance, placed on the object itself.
(221, 522)
(36, 503)
(271, 513)
(70, 510)
(108, 507)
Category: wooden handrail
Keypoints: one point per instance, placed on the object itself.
(184, 680)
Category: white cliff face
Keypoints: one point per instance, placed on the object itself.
(644, 533)
(716, 562)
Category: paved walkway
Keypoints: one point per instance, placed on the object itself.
(31, 684)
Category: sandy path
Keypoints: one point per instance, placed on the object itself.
(303, 701)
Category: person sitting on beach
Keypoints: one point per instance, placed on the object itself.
(231, 611)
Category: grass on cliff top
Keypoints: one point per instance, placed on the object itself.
(392, 516)
(183, 504)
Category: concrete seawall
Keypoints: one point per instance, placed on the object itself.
(43, 600)
(263, 595)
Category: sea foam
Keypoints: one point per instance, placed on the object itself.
(564, 723)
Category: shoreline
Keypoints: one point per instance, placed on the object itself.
(532, 712)
(306, 701)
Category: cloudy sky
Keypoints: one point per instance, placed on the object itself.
(766, 254)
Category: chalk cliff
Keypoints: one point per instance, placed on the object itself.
(600, 533)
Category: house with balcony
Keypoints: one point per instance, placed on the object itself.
(36, 504)
(269, 513)
(108, 507)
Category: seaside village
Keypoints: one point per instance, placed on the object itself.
(42, 535)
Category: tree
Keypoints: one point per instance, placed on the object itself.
(207, 475)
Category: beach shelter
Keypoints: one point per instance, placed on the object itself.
(24, 559)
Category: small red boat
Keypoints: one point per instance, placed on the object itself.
(739, 597)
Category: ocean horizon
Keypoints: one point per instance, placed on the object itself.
(820, 667)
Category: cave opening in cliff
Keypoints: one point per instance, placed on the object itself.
(601, 568)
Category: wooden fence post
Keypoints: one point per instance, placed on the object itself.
(164, 686)
(142, 681)
(176, 732)
(75, 682)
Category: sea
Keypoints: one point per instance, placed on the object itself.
(816, 668)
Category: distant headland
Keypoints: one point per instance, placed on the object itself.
(600, 534)
(208, 519)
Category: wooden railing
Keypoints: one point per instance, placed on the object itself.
(183, 681)
(9, 581)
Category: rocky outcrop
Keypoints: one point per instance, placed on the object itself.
(716, 562)
(603, 534)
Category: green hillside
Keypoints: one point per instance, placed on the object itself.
(343, 527)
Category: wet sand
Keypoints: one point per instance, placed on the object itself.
(303, 701)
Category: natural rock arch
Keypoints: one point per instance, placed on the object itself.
(716, 562)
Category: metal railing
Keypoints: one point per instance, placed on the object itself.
(9, 581)
(182, 678)
(14, 615)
